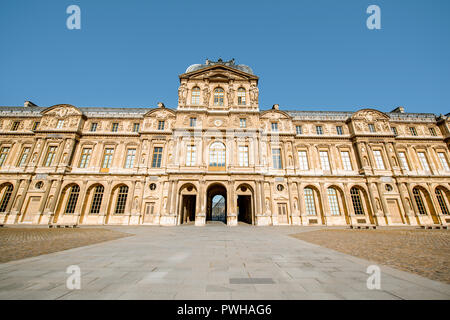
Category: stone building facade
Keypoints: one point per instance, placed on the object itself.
(69, 165)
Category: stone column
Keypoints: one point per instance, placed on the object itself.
(384, 205)
(79, 207)
(11, 201)
(200, 214)
(409, 216)
(435, 204)
(373, 204)
(56, 199)
(40, 213)
(326, 209)
(231, 204)
(351, 210)
(105, 206)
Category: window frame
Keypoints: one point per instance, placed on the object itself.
(219, 97)
(85, 157)
(326, 166)
(157, 157)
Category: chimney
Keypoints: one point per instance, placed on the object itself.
(399, 110)
(29, 104)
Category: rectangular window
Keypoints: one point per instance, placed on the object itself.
(107, 158)
(276, 158)
(346, 163)
(3, 154)
(423, 161)
(339, 130)
(115, 127)
(394, 130)
(309, 202)
(371, 127)
(157, 156)
(432, 132)
(303, 160)
(191, 155)
(131, 155)
(193, 122)
(161, 124)
(319, 130)
(85, 157)
(243, 123)
(23, 157)
(50, 156)
(324, 160)
(60, 124)
(403, 161)
(274, 126)
(243, 156)
(35, 125)
(15, 125)
(135, 127)
(378, 159)
(413, 131)
(333, 201)
(443, 161)
(298, 129)
(93, 126)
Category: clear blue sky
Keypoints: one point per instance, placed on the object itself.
(309, 55)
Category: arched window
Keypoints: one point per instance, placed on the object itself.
(97, 200)
(356, 200)
(309, 201)
(73, 198)
(419, 201)
(218, 96)
(441, 200)
(241, 96)
(217, 156)
(6, 197)
(121, 200)
(195, 96)
(333, 201)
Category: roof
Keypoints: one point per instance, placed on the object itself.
(230, 63)
(138, 112)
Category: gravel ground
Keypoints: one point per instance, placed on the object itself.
(19, 243)
(423, 252)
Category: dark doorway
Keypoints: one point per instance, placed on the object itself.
(216, 203)
(245, 209)
(188, 209)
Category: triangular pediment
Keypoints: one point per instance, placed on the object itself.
(218, 73)
(62, 110)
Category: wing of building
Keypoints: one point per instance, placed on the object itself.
(70, 165)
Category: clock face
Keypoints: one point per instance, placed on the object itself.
(218, 123)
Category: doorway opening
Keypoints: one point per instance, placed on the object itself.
(244, 209)
(188, 208)
(216, 203)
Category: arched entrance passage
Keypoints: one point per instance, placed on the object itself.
(216, 197)
(188, 193)
(244, 204)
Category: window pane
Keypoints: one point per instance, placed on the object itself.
(356, 200)
(129, 162)
(276, 157)
(378, 159)
(303, 160)
(443, 161)
(85, 157)
(346, 161)
(309, 202)
(324, 160)
(333, 201)
(157, 157)
(243, 156)
(423, 161)
(3, 154)
(403, 162)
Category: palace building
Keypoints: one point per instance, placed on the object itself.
(218, 156)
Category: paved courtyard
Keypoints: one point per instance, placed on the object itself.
(23, 242)
(424, 252)
(211, 262)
